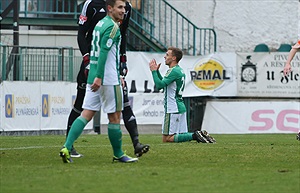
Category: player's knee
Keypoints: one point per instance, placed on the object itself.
(114, 118)
(88, 114)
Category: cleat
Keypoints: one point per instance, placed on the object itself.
(200, 137)
(125, 159)
(140, 149)
(209, 138)
(65, 155)
(74, 153)
(298, 136)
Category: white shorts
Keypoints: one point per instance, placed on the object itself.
(109, 97)
(92, 100)
(174, 123)
(112, 98)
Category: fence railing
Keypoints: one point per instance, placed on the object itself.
(39, 63)
(174, 29)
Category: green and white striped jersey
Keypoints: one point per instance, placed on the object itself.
(173, 83)
(104, 55)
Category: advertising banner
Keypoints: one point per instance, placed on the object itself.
(147, 108)
(30, 106)
(46, 105)
(239, 117)
(56, 105)
(261, 75)
(21, 106)
(211, 75)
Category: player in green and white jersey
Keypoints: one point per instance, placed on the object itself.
(104, 63)
(104, 87)
(174, 128)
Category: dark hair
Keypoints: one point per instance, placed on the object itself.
(112, 2)
(176, 52)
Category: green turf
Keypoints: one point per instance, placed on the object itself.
(236, 163)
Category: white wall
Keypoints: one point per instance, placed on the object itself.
(41, 38)
(240, 25)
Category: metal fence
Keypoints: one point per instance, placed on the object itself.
(164, 24)
(39, 63)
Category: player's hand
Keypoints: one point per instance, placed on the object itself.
(297, 45)
(96, 84)
(287, 69)
(86, 63)
(153, 65)
(123, 65)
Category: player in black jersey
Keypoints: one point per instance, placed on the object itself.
(92, 12)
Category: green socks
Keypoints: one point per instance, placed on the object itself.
(114, 135)
(115, 138)
(182, 137)
(75, 131)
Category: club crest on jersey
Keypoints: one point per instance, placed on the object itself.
(109, 42)
(82, 19)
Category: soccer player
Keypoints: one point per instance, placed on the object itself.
(174, 128)
(103, 84)
(287, 68)
(92, 12)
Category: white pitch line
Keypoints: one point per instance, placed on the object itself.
(40, 147)
(18, 148)
(94, 146)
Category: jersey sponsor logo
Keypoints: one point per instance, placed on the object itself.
(45, 105)
(109, 42)
(9, 103)
(209, 74)
(82, 19)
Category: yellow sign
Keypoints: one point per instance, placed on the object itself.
(208, 74)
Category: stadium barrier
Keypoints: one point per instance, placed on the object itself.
(250, 90)
(28, 63)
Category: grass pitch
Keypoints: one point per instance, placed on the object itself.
(236, 163)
